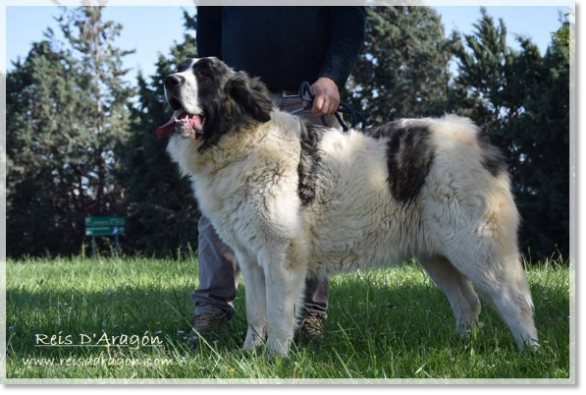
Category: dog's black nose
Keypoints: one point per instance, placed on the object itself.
(173, 81)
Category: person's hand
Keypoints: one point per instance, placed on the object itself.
(327, 97)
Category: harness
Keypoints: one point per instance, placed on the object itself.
(307, 96)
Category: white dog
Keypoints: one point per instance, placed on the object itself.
(291, 198)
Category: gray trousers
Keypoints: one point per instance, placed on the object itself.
(218, 268)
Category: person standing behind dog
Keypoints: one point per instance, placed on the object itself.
(284, 46)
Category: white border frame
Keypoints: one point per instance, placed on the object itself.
(114, 3)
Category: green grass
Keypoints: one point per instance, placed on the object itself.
(390, 323)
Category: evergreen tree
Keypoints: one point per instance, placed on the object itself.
(67, 113)
(162, 212)
(403, 69)
(541, 133)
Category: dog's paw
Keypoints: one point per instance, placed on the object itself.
(253, 340)
(278, 348)
(529, 344)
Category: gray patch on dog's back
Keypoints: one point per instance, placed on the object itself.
(493, 159)
(309, 160)
(386, 130)
(409, 157)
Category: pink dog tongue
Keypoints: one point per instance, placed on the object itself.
(169, 128)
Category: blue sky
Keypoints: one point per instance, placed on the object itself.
(152, 30)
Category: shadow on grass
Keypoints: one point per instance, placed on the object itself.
(357, 308)
(378, 326)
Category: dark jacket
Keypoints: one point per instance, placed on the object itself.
(283, 45)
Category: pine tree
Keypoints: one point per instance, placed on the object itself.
(162, 212)
(541, 133)
(403, 69)
(106, 100)
(67, 113)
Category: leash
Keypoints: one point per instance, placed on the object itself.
(343, 108)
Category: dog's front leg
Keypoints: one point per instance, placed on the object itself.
(254, 287)
(285, 279)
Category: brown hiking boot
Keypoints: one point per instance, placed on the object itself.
(208, 324)
(311, 326)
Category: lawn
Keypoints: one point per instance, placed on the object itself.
(390, 323)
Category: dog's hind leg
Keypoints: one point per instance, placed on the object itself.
(462, 297)
(497, 273)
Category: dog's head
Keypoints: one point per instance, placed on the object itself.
(211, 100)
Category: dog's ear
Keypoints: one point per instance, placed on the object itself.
(251, 95)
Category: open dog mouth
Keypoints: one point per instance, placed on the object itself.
(188, 125)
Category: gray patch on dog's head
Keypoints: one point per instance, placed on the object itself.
(231, 101)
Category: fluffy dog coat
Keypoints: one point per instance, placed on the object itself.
(292, 198)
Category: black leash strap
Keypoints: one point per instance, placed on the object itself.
(343, 108)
